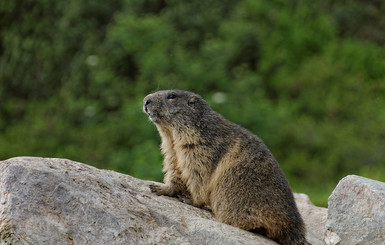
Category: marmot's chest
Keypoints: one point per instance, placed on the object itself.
(193, 161)
(187, 156)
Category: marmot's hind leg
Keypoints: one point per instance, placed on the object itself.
(267, 226)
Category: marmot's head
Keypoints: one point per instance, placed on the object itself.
(174, 107)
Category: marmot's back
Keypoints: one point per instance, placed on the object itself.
(211, 161)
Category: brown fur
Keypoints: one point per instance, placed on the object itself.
(211, 161)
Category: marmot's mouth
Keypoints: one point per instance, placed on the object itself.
(148, 112)
(152, 116)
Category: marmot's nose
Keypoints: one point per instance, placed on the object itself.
(147, 102)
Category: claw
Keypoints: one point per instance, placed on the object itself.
(154, 189)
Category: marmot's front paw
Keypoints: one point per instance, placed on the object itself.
(157, 189)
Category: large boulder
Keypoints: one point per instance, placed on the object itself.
(356, 212)
(58, 201)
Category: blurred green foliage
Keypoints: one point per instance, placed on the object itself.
(307, 77)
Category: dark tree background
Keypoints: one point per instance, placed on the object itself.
(307, 77)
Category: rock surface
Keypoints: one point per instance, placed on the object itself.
(356, 212)
(314, 217)
(58, 201)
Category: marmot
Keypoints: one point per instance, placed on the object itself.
(211, 161)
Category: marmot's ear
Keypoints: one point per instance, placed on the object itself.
(192, 100)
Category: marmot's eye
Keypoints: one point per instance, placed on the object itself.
(171, 96)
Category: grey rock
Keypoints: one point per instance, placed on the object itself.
(314, 218)
(58, 201)
(356, 213)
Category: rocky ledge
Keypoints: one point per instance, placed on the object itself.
(58, 201)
